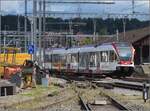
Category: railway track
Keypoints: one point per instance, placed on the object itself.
(99, 77)
(120, 83)
(137, 79)
(56, 103)
(116, 83)
(118, 104)
(133, 83)
(115, 103)
(85, 106)
(46, 101)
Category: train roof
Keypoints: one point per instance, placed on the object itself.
(110, 43)
(88, 48)
(81, 49)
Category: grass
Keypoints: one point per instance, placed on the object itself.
(36, 92)
(38, 102)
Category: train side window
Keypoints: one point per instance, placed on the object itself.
(68, 58)
(74, 58)
(98, 58)
(56, 58)
(47, 58)
(92, 60)
(112, 56)
(83, 61)
(63, 60)
(104, 56)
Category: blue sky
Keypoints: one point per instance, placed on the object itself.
(17, 7)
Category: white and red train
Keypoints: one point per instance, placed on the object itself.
(108, 58)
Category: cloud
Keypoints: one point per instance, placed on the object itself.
(12, 7)
(119, 7)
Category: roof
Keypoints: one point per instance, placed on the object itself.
(131, 36)
(135, 35)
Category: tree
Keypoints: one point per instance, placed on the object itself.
(86, 41)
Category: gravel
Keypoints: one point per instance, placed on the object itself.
(126, 92)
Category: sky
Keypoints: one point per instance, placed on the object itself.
(17, 7)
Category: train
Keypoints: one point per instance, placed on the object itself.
(113, 58)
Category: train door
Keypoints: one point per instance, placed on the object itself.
(104, 64)
(98, 60)
(55, 61)
(68, 61)
(83, 61)
(74, 61)
(92, 61)
(48, 61)
(112, 60)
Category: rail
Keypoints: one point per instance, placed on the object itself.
(84, 105)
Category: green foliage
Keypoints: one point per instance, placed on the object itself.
(103, 31)
(87, 41)
(103, 26)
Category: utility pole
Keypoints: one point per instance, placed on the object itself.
(40, 31)
(44, 20)
(79, 10)
(18, 24)
(71, 32)
(0, 27)
(25, 25)
(43, 27)
(117, 35)
(94, 31)
(70, 27)
(133, 2)
(5, 33)
(34, 34)
(124, 26)
(149, 31)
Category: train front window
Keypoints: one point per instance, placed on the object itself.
(125, 53)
